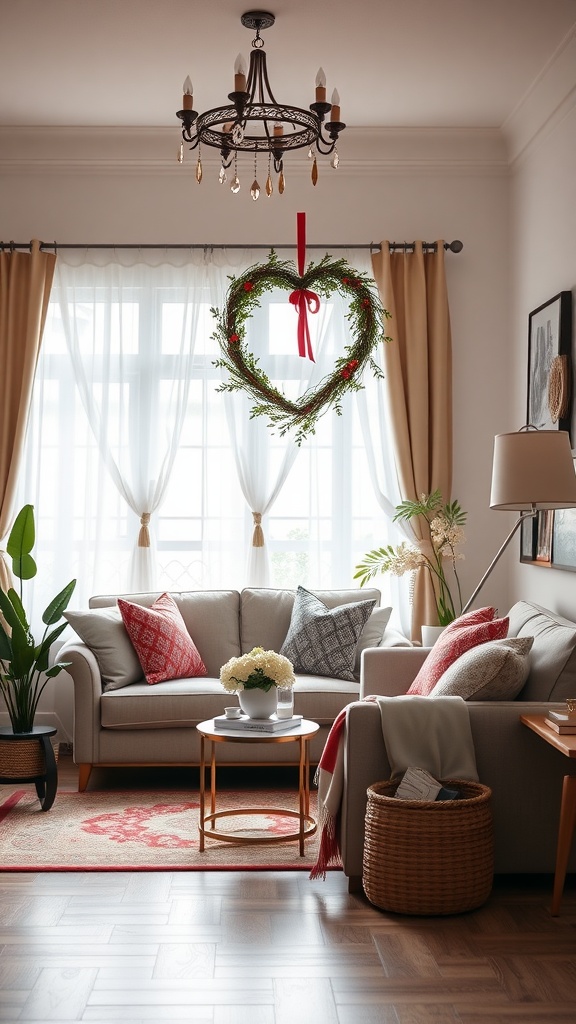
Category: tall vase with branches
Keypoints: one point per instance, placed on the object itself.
(443, 529)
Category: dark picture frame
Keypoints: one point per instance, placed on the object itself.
(549, 336)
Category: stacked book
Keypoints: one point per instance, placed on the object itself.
(245, 724)
(562, 722)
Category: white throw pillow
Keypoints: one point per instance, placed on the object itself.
(104, 632)
(496, 670)
(373, 633)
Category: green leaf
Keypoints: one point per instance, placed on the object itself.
(22, 650)
(9, 608)
(14, 598)
(20, 544)
(59, 604)
(5, 645)
(43, 650)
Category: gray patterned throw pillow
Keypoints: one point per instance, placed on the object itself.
(322, 641)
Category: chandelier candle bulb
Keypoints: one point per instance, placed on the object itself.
(278, 130)
(188, 97)
(320, 86)
(240, 74)
(335, 112)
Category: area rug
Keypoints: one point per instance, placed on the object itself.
(139, 831)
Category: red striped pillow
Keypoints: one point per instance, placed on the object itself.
(461, 635)
(159, 636)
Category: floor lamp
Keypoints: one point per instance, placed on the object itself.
(532, 470)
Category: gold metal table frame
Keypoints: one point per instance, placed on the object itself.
(306, 824)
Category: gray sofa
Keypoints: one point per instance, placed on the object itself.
(524, 772)
(139, 724)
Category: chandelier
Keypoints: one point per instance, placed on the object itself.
(254, 122)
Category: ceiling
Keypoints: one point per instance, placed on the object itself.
(396, 63)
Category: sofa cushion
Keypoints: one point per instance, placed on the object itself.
(553, 656)
(164, 647)
(461, 635)
(323, 640)
(183, 703)
(372, 634)
(496, 670)
(103, 631)
(212, 617)
(265, 613)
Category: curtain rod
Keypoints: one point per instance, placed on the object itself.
(455, 246)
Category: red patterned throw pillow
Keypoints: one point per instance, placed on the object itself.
(163, 644)
(461, 635)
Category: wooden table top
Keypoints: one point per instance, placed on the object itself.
(564, 742)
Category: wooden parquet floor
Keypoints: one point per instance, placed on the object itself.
(275, 948)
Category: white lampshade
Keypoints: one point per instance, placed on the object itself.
(533, 469)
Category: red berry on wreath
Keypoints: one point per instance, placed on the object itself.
(233, 339)
(248, 286)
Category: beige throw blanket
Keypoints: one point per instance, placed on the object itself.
(428, 732)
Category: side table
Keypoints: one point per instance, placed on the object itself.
(306, 824)
(47, 782)
(566, 744)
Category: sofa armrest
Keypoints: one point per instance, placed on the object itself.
(524, 773)
(389, 671)
(85, 672)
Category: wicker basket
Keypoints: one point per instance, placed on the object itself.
(423, 857)
(23, 759)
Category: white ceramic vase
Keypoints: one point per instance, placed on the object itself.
(258, 703)
(430, 635)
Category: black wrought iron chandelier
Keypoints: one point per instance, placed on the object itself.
(254, 122)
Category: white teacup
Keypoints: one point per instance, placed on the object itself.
(232, 712)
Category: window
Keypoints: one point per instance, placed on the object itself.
(325, 517)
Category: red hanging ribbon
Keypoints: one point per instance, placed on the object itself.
(302, 299)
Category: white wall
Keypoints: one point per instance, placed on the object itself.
(543, 237)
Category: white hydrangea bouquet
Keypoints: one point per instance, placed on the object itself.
(444, 524)
(258, 670)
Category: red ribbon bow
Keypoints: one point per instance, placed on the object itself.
(302, 299)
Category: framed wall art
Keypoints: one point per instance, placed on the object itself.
(550, 364)
(549, 407)
(564, 537)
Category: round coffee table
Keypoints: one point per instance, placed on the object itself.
(302, 735)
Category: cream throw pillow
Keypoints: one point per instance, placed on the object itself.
(104, 632)
(496, 670)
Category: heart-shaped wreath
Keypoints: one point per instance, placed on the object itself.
(366, 315)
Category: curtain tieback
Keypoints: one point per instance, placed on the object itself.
(258, 535)
(144, 535)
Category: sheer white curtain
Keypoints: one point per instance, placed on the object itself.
(262, 456)
(130, 328)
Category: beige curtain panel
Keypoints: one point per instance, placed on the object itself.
(25, 283)
(418, 372)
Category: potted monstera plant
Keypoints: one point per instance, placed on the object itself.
(24, 662)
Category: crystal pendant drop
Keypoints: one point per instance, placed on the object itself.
(314, 172)
(235, 186)
(222, 176)
(310, 153)
(255, 190)
(281, 183)
(199, 171)
(269, 186)
(335, 161)
(181, 153)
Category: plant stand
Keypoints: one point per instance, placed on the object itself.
(33, 762)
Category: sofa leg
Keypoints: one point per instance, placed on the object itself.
(355, 884)
(84, 771)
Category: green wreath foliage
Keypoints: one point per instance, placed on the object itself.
(365, 314)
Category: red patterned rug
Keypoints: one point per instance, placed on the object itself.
(140, 831)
